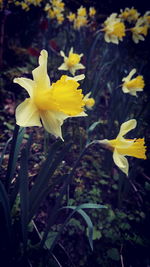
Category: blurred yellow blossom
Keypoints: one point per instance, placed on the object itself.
(71, 17)
(1, 3)
(92, 11)
(55, 10)
(132, 86)
(25, 4)
(58, 4)
(79, 22)
(49, 104)
(129, 14)
(146, 18)
(60, 18)
(81, 11)
(114, 29)
(140, 29)
(122, 147)
(71, 62)
(89, 101)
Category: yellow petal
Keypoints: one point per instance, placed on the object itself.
(127, 127)
(76, 78)
(27, 84)
(80, 66)
(121, 162)
(27, 114)
(52, 122)
(67, 96)
(62, 54)
(137, 149)
(128, 78)
(63, 66)
(40, 73)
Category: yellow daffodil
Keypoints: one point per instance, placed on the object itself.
(89, 101)
(51, 14)
(49, 104)
(26, 3)
(132, 86)
(140, 29)
(1, 4)
(24, 6)
(129, 14)
(146, 18)
(71, 17)
(81, 11)
(58, 4)
(80, 21)
(71, 62)
(60, 18)
(55, 10)
(47, 7)
(92, 11)
(122, 147)
(34, 2)
(114, 29)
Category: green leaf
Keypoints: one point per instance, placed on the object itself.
(5, 204)
(40, 188)
(50, 239)
(113, 254)
(4, 150)
(23, 178)
(17, 184)
(96, 234)
(15, 148)
(93, 126)
(84, 216)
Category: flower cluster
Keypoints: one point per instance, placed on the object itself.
(50, 104)
(25, 4)
(115, 26)
(81, 18)
(55, 10)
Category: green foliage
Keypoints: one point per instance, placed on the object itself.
(44, 183)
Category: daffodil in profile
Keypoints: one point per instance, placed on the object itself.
(92, 11)
(122, 147)
(146, 18)
(132, 86)
(49, 104)
(81, 11)
(129, 14)
(114, 29)
(72, 62)
(139, 31)
(79, 22)
(89, 101)
(71, 16)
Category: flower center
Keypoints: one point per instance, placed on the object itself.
(118, 29)
(62, 96)
(89, 102)
(73, 59)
